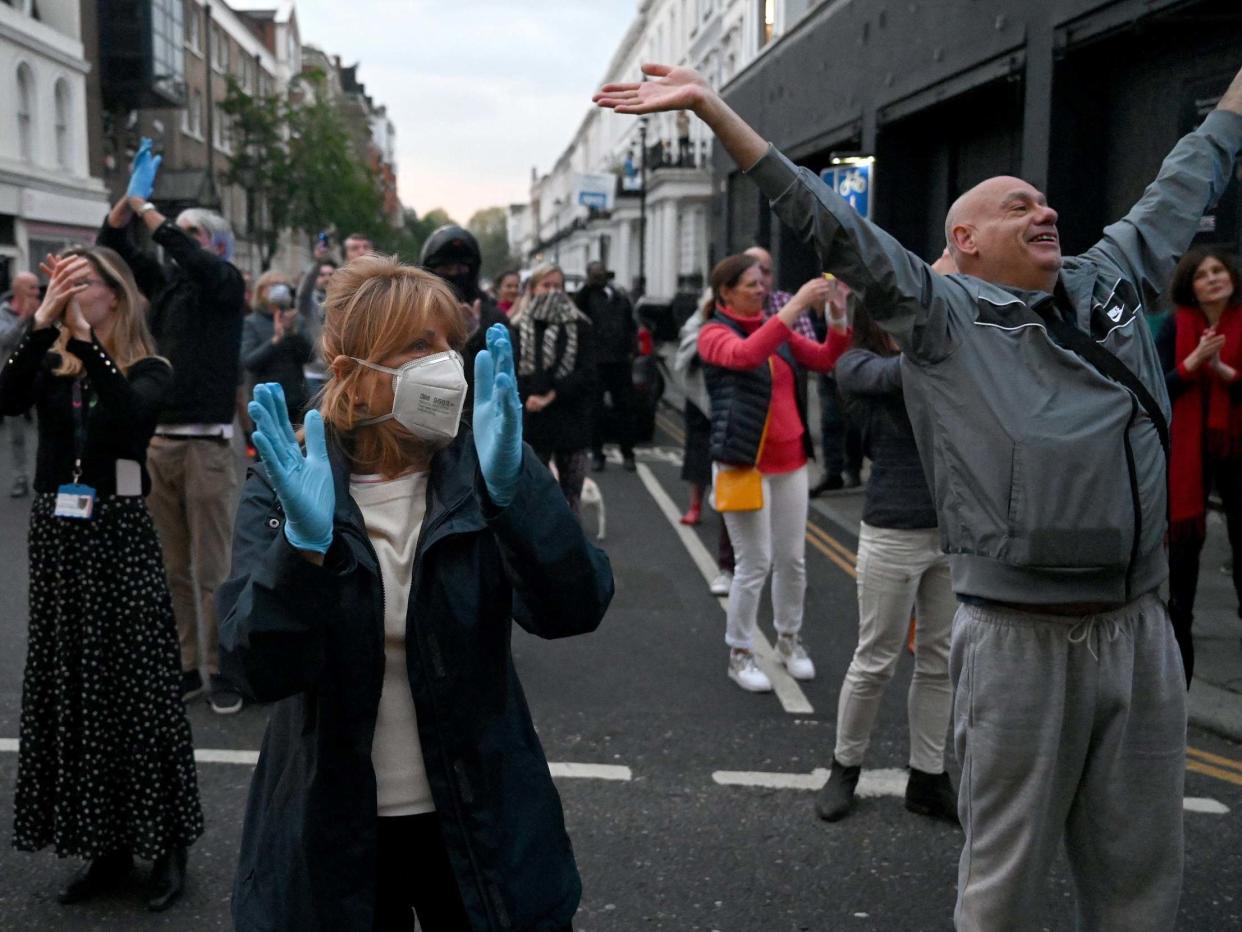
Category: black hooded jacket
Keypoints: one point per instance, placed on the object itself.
(451, 244)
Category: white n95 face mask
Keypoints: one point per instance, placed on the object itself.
(427, 395)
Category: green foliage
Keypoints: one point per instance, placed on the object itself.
(295, 159)
(407, 241)
(490, 227)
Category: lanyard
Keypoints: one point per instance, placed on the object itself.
(79, 430)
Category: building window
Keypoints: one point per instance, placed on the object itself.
(767, 21)
(25, 113)
(193, 27)
(168, 46)
(219, 50)
(192, 115)
(63, 154)
(222, 129)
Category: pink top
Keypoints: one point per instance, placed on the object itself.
(720, 346)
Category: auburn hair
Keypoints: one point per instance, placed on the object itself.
(374, 308)
(130, 340)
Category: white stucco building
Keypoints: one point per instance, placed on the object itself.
(48, 198)
(718, 38)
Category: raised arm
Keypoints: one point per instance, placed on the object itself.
(1145, 245)
(902, 293)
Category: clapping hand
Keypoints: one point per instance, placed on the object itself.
(1210, 345)
(303, 481)
(64, 285)
(142, 172)
(497, 417)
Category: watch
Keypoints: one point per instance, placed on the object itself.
(145, 209)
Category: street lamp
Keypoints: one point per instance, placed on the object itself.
(642, 207)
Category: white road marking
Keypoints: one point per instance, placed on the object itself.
(884, 782)
(1207, 806)
(790, 694)
(591, 771)
(214, 756)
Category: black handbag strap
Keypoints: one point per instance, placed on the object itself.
(1063, 330)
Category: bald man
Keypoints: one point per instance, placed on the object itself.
(1047, 460)
(15, 313)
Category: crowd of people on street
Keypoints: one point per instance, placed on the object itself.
(422, 444)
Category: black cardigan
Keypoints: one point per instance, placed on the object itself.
(122, 409)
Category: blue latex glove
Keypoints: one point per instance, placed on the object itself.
(497, 417)
(303, 482)
(142, 172)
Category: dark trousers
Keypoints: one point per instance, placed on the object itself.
(615, 379)
(413, 875)
(841, 441)
(1184, 557)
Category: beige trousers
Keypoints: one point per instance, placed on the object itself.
(194, 489)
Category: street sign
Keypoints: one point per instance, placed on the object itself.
(595, 190)
(852, 179)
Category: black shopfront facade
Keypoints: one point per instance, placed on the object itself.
(1083, 98)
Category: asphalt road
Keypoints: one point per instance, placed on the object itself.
(667, 833)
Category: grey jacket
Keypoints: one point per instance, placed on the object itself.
(1049, 479)
(689, 367)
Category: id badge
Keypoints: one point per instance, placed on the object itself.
(75, 501)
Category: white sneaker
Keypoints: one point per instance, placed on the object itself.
(793, 655)
(722, 583)
(744, 671)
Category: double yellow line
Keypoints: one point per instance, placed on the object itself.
(1213, 765)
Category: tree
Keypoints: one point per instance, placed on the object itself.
(490, 227)
(408, 241)
(296, 161)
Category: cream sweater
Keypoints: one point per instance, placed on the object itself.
(393, 513)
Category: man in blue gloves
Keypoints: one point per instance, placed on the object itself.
(376, 574)
(197, 306)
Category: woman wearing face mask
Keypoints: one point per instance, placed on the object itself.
(106, 762)
(554, 347)
(375, 576)
(273, 347)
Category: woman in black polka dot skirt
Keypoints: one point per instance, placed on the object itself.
(106, 763)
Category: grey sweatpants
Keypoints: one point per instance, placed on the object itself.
(1069, 728)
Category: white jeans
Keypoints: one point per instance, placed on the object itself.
(772, 538)
(899, 570)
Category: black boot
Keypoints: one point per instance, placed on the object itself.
(97, 876)
(167, 880)
(931, 794)
(836, 799)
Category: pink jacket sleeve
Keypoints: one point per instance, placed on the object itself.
(720, 346)
(820, 357)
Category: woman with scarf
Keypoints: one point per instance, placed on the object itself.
(1201, 347)
(755, 374)
(105, 769)
(554, 349)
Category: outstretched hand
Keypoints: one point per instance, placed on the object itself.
(497, 417)
(672, 89)
(303, 482)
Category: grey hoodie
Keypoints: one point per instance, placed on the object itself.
(1049, 478)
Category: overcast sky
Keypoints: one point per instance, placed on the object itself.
(479, 90)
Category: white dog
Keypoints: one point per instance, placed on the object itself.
(592, 497)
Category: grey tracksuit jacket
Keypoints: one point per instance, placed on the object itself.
(1048, 477)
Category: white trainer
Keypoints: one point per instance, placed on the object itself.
(793, 655)
(722, 583)
(744, 671)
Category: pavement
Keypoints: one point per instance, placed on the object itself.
(1215, 699)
